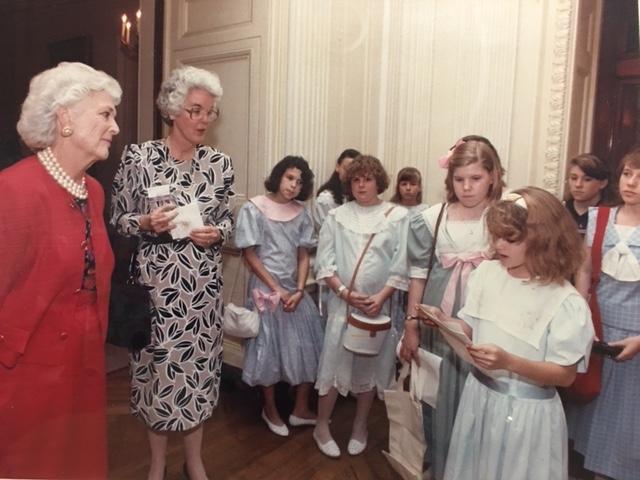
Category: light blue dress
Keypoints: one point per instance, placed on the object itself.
(459, 240)
(399, 298)
(607, 430)
(342, 239)
(323, 203)
(288, 344)
(321, 206)
(508, 427)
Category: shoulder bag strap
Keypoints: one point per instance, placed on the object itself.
(240, 263)
(602, 218)
(432, 254)
(364, 250)
(134, 267)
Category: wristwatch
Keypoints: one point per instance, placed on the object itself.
(340, 289)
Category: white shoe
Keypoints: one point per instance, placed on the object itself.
(356, 447)
(330, 449)
(300, 422)
(281, 430)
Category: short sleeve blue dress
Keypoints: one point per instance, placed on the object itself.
(288, 344)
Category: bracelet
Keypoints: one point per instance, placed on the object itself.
(299, 290)
(339, 290)
(411, 317)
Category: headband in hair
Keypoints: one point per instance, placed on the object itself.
(515, 198)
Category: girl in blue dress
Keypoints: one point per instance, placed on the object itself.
(531, 331)
(408, 193)
(275, 232)
(606, 430)
(473, 183)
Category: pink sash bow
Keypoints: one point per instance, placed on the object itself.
(462, 267)
(265, 300)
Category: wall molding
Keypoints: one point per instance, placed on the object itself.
(558, 97)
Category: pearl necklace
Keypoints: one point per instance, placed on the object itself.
(62, 178)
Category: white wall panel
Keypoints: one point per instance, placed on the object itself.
(400, 79)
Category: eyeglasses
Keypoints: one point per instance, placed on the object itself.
(197, 113)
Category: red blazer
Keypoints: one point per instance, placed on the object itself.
(52, 399)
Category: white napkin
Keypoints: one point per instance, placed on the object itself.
(188, 218)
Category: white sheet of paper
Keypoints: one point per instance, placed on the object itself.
(429, 373)
(459, 346)
(188, 218)
(451, 331)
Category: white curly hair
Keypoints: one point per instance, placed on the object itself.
(175, 89)
(60, 86)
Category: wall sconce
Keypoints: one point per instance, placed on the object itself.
(129, 35)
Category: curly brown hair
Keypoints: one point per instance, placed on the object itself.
(366, 165)
(472, 151)
(554, 250)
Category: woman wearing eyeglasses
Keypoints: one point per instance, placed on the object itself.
(174, 195)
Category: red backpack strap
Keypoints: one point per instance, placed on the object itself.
(602, 218)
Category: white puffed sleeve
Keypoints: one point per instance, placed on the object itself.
(571, 334)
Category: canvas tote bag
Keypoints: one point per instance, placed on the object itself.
(407, 445)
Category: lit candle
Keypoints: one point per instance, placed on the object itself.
(124, 27)
(138, 15)
(127, 37)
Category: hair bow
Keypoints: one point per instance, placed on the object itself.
(443, 161)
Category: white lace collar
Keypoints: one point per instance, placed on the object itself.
(367, 220)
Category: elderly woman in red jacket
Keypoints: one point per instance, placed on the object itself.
(55, 267)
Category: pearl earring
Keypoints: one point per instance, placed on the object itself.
(67, 131)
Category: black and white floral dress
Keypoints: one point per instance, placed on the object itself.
(175, 379)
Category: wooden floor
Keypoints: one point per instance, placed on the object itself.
(238, 445)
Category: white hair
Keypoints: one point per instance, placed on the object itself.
(61, 86)
(175, 89)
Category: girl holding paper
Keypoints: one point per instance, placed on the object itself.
(473, 182)
(531, 331)
(175, 379)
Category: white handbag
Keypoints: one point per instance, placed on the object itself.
(240, 321)
(407, 445)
